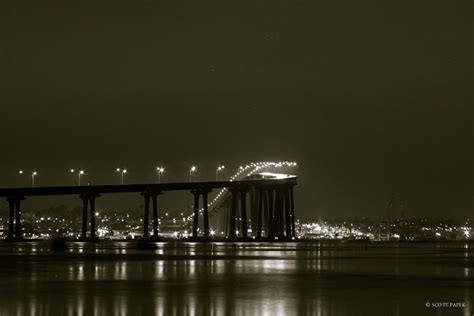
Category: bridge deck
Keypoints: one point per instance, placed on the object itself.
(131, 188)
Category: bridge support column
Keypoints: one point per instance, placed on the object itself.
(196, 213)
(85, 202)
(270, 218)
(226, 221)
(88, 200)
(266, 212)
(92, 198)
(11, 218)
(253, 198)
(259, 196)
(292, 212)
(288, 225)
(233, 214)
(154, 200)
(18, 232)
(279, 204)
(197, 194)
(14, 218)
(146, 196)
(205, 213)
(243, 213)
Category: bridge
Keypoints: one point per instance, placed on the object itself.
(272, 209)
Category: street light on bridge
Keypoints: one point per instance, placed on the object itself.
(122, 173)
(80, 173)
(191, 171)
(160, 170)
(21, 173)
(219, 169)
(33, 175)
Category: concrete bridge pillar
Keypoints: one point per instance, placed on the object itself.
(233, 213)
(153, 196)
(292, 211)
(260, 195)
(18, 233)
(92, 198)
(14, 219)
(196, 213)
(288, 225)
(88, 200)
(265, 212)
(11, 218)
(279, 205)
(205, 213)
(253, 216)
(146, 196)
(85, 202)
(197, 194)
(243, 213)
(270, 213)
(154, 200)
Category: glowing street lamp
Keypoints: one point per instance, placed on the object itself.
(79, 175)
(191, 171)
(160, 170)
(220, 168)
(21, 173)
(122, 173)
(33, 175)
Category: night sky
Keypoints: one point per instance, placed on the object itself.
(372, 98)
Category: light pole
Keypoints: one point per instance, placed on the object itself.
(33, 175)
(160, 170)
(21, 174)
(122, 172)
(191, 171)
(80, 173)
(220, 168)
(72, 172)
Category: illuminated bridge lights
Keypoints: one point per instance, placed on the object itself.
(252, 169)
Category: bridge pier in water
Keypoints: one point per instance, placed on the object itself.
(238, 220)
(14, 219)
(153, 195)
(205, 212)
(272, 211)
(88, 199)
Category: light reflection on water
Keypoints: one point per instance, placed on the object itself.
(320, 278)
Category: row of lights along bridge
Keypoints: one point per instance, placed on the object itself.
(122, 172)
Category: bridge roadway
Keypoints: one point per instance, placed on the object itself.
(274, 206)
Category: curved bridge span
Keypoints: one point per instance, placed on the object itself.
(273, 211)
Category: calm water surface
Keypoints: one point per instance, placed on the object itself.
(322, 278)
